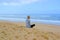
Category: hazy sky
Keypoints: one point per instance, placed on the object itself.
(29, 6)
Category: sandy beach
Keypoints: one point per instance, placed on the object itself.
(18, 31)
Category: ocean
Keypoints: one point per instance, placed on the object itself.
(41, 18)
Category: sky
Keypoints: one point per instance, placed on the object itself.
(29, 6)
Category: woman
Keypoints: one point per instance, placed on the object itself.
(28, 25)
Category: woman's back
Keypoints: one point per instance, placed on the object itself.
(28, 22)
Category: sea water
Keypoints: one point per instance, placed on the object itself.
(41, 18)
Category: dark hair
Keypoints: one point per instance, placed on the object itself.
(28, 17)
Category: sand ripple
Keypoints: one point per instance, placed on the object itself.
(10, 31)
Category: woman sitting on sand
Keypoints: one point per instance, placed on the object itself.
(28, 25)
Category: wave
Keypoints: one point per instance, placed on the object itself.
(55, 22)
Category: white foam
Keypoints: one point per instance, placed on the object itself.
(32, 20)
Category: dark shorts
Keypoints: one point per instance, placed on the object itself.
(32, 25)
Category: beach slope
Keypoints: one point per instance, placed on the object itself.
(18, 31)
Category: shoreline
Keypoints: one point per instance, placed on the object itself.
(23, 23)
(52, 22)
(31, 22)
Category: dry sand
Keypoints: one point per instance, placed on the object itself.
(18, 31)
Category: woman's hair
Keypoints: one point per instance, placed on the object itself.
(28, 17)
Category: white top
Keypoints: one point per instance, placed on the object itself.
(28, 23)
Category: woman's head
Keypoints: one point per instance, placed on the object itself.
(28, 17)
